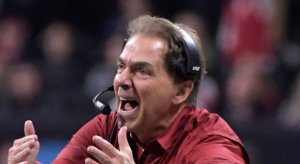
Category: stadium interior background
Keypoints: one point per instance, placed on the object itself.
(55, 55)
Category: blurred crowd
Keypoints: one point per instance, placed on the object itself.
(55, 56)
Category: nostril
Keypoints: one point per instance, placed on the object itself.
(124, 86)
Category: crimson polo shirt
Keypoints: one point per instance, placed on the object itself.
(195, 136)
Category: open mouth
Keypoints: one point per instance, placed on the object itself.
(128, 105)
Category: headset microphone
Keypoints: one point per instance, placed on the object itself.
(102, 107)
(105, 109)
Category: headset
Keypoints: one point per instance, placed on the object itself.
(190, 68)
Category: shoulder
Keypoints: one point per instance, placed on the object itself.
(203, 123)
(218, 149)
(212, 139)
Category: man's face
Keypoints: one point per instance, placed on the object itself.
(144, 90)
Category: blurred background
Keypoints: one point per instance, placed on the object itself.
(56, 55)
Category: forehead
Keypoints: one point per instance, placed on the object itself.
(144, 47)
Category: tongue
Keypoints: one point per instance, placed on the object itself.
(128, 106)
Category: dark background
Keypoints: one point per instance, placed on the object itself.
(266, 140)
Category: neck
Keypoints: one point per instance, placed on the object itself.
(147, 135)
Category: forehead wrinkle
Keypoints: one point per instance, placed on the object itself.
(143, 49)
(150, 44)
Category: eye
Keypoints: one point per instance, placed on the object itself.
(141, 70)
(120, 67)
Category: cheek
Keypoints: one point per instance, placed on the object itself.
(155, 93)
(157, 96)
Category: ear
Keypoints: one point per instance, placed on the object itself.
(184, 90)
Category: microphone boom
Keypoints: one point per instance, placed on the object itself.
(104, 108)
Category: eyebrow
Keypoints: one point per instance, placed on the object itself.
(142, 64)
(137, 64)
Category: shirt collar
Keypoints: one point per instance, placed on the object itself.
(177, 128)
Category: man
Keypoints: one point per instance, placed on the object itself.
(158, 75)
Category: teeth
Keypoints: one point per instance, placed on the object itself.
(124, 99)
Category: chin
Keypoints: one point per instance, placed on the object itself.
(132, 126)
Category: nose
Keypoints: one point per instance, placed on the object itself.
(123, 79)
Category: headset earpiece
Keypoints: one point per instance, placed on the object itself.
(190, 68)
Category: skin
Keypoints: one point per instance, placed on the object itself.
(25, 150)
(107, 153)
(141, 76)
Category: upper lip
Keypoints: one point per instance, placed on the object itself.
(126, 96)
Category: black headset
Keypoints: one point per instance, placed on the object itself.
(190, 68)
